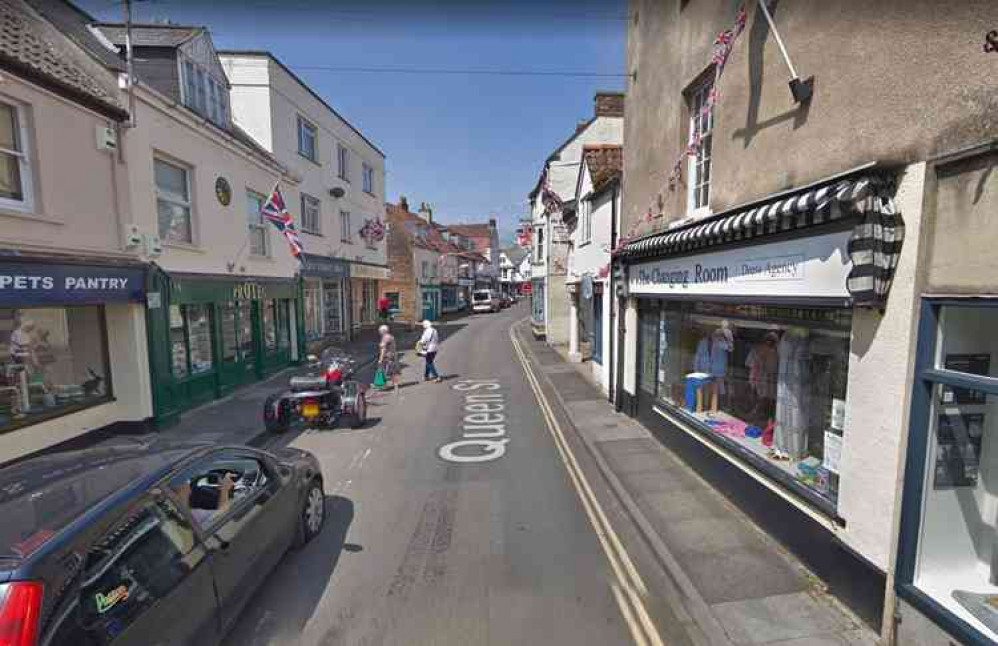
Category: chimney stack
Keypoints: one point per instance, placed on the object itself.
(609, 104)
(492, 222)
(581, 125)
(403, 203)
(426, 212)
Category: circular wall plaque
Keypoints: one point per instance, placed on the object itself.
(223, 191)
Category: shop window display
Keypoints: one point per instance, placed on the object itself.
(52, 360)
(771, 379)
(190, 340)
(230, 346)
(244, 322)
(957, 557)
(270, 324)
(284, 324)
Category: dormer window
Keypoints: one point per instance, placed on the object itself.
(204, 94)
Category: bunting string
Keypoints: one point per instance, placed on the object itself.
(723, 45)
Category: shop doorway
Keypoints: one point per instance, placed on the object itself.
(237, 320)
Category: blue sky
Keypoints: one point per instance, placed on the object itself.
(470, 145)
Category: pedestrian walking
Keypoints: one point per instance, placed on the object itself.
(428, 345)
(388, 357)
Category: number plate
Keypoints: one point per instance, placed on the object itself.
(310, 410)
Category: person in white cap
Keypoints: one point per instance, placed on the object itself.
(429, 344)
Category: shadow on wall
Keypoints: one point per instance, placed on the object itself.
(758, 34)
(279, 612)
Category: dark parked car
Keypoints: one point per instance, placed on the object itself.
(146, 542)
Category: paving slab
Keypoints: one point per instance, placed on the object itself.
(740, 574)
(795, 616)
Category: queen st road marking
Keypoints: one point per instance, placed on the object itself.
(629, 589)
(484, 429)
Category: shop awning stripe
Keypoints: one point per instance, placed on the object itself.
(874, 247)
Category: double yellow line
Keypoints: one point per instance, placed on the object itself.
(628, 589)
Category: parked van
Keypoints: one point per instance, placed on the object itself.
(484, 300)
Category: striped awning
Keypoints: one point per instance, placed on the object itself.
(874, 247)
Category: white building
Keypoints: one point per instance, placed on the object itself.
(597, 205)
(556, 186)
(341, 207)
(512, 261)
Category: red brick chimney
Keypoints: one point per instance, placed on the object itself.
(609, 104)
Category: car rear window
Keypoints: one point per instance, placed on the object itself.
(40, 497)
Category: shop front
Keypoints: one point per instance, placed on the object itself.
(325, 283)
(449, 301)
(537, 306)
(365, 292)
(211, 334)
(430, 301)
(947, 561)
(744, 331)
(67, 332)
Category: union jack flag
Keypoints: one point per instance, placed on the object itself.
(277, 213)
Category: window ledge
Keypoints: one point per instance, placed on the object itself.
(263, 258)
(8, 211)
(183, 246)
(313, 233)
(346, 241)
(309, 159)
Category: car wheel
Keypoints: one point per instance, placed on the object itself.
(359, 411)
(275, 414)
(313, 513)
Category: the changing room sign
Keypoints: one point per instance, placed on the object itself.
(39, 284)
(812, 267)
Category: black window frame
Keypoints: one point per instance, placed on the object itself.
(274, 482)
(925, 379)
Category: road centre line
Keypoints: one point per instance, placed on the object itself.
(642, 628)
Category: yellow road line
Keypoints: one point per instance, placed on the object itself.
(631, 588)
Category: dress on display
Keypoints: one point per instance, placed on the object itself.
(763, 364)
(720, 346)
(790, 436)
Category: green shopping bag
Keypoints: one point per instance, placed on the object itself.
(379, 378)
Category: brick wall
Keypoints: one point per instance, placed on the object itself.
(400, 261)
(609, 104)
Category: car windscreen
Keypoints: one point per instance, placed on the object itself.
(481, 296)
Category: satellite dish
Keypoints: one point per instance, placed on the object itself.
(337, 192)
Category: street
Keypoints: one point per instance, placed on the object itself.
(419, 550)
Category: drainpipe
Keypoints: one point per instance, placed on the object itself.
(611, 299)
(132, 122)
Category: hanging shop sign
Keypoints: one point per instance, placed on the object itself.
(815, 267)
(38, 284)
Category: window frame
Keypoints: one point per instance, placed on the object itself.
(346, 227)
(188, 204)
(311, 201)
(23, 154)
(926, 378)
(696, 96)
(259, 225)
(272, 484)
(585, 222)
(368, 178)
(306, 126)
(343, 162)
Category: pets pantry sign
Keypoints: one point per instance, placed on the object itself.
(38, 284)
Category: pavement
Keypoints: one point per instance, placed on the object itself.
(554, 521)
(734, 582)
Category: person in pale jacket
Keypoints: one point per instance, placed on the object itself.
(428, 344)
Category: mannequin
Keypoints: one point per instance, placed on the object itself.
(763, 365)
(721, 343)
(793, 388)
